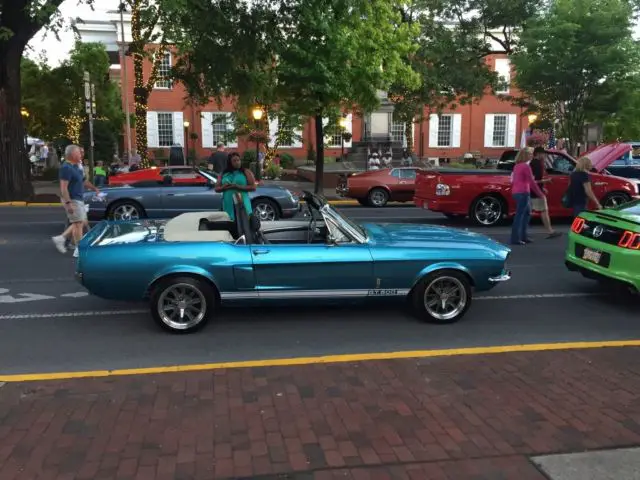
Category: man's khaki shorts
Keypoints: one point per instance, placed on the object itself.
(539, 204)
(79, 212)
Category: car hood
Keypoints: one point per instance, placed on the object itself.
(411, 235)
(605, 155)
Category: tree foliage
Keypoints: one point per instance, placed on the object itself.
(573, 58)
(54, 97)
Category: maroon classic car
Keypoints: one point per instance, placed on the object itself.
(485, 195)
(375, 188)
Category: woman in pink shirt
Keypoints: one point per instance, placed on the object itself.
(522, 183)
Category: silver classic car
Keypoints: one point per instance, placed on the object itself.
(165, 199)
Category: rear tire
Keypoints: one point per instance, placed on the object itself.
(448, 286)
(487, 210)
(614, 199)
(182, 304)
(125, 210)
(267, 210)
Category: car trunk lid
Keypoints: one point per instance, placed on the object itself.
(605, 155)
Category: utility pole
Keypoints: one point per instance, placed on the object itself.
(90, 108)
(125, 84)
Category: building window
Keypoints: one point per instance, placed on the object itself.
(219, 127)
(164, 72)
(165, 129)
(499, 131)
(397, 132)
(503, 69)
(445, 130)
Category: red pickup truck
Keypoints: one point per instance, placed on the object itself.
(485, 195)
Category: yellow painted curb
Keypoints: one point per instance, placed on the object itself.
(280, 362)
(57, 204)
(13, 204)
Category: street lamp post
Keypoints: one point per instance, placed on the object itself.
(185, 124)
(343, 128)
(25, 115)
(257, 114)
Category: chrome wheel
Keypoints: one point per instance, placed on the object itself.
(487, 211)
(126, 211)
(265, 211)
(378, 197)
(445, 298)
(615, 199)
(181, 306)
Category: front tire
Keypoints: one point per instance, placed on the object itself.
(182, 304)
(487, 210)
(442, 297)
(614, 199)
(378, 197)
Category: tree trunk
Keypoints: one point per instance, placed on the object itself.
(140, 98)
(15, 170)
(318, 187)
(408, 133)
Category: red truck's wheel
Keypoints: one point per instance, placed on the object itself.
(487, 210)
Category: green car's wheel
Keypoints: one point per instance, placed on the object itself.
(182, 304)
(443, 296)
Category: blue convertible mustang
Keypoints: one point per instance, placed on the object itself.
(187, 266)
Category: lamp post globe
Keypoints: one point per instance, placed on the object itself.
(257, 113)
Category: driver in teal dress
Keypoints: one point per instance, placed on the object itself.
(235, 182)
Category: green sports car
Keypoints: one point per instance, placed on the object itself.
(605, 245)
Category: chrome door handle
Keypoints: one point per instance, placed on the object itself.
(600, 184)
(261, 252)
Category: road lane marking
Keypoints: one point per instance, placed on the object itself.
(298, 361)
(75, 294)
(22, 297)
(538, 295)
(25, 316)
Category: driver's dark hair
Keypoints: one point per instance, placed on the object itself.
(229, 167)
(538, 150)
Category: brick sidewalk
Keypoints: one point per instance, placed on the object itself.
(473, 417)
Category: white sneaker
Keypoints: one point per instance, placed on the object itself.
(75, 253)
(59, 242)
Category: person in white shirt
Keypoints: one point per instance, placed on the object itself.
(386, 160)
(374, 162)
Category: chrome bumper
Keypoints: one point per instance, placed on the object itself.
(503, 277)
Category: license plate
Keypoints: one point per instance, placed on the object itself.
(591, 255)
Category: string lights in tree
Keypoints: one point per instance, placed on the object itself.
(73, 126)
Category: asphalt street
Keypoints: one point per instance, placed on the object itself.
(48, 323)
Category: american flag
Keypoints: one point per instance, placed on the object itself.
(552, 137)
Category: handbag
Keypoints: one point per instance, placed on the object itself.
(566, 199)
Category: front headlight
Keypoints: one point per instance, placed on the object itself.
(95, 197)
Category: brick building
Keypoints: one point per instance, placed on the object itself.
(486, 128)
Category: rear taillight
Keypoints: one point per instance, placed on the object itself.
(630, 240)
(577, 225)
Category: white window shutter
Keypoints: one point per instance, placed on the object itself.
(231, 142)
(178, 129)
(503, 69)
(206, 123)
(488, 130)
(349, 129)
(297, 137)
(273, 130)
(434, 123)
(456, 132)
(153, 141)
(511, 130)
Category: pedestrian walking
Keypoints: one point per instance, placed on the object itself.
(522, 184)
(539, 204)
(218, 160)
(235, 183)
(72, 185)
(580, 191)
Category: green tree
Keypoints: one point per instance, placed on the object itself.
(337, 54)
(449, 61)
(571, 56)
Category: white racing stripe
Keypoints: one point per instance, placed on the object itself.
(112, 313)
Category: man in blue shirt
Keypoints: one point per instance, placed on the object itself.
(72, 185)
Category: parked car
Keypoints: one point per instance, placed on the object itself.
(180, 174)
(185, 267)
(166, 199)
(628, 165)
(485, 195)
(375, 188)
(605, 246)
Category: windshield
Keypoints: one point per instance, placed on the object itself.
(632, 207)
(346, 223)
